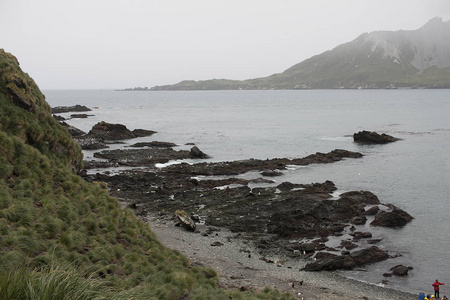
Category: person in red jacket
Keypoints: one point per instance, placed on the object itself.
(436, 285)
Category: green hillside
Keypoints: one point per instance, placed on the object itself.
(64, 238)
(381, 59)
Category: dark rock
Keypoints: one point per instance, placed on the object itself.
(360, 235)
(59, 118)
(275, 214)
(372, 211)
(359, 220)
(271, 173)
(154, 144)
(90, 143)
(74, 132)
(370, 255)
(374, 241)
(363, 197)
(343, 209)
(324, 255)
(114, 132)
(307, 247)
(348, 262)
(400, 270)
(185, 220)
(287, 186)
(142, 132)
(348, 245)
(387, 274)
(80, 116)
(371, 137)
(243, 166)
(217, 244)
(65, 109)
(197, 153)
(143, 156)
(111, 132)
(395, 218)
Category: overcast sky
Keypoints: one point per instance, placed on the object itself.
(66, 44)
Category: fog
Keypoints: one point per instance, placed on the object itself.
(107, 44)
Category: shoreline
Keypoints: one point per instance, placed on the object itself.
(239, 266)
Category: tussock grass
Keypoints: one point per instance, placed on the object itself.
(64, 238)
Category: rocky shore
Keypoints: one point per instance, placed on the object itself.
(253, 231)
(240, 265)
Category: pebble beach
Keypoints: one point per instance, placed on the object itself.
(240, 266)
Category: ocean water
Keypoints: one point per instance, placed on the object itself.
(413, 174)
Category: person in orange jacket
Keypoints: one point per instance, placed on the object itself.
(436, 285)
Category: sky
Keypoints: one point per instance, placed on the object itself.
(115, 44)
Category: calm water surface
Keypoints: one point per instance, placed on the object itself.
(413, 173)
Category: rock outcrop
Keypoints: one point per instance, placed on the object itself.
(115, 132)
(394, 219)
(347, 262)
(65, 109)
(371, 137)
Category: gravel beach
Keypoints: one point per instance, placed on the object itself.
(239, 266)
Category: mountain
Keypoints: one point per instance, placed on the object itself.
(380, 59)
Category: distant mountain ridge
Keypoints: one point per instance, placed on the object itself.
(380, 59)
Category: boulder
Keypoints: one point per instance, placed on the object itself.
(114, 132)
(374, 241)
(400, 270)
(372, 211)
(371, 137)
(348, 245)
(393, 219)
(271, 173)
(359, 220)
(307, 247)
(185, 220)
(360, 235)
(363, 197)
(324, 255)
(350, 261)
(197, 153)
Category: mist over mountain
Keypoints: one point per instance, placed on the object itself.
(380, 59)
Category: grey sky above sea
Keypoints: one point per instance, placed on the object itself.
(109, 44)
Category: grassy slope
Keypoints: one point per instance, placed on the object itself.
(63, 236)
(349, 65)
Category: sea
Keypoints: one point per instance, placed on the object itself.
(413, 173)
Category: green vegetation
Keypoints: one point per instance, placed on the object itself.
(398, 59)
(64, 238)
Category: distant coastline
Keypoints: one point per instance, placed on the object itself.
(138, 88)
(157, 88)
